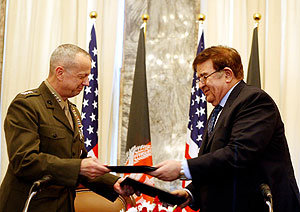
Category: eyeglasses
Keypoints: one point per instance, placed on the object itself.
(203, 79)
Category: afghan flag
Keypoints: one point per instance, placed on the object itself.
(253, 75)
(138, 146)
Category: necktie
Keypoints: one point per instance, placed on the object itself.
(212, 120)
(68, 114)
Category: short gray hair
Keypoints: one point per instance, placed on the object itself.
(64, 55)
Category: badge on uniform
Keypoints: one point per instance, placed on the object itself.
(78, 121)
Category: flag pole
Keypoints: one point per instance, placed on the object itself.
(93, 16)
(90, 111)
(145, 18)
(256, 17)
(201, 19)
(253, 75)
(197, 119)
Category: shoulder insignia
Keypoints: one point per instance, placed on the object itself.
(30, 93)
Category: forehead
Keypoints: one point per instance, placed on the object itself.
(205, 67)
(82, 64)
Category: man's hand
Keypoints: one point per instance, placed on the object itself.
(125, 190)
(185, 194)
(168, 170)
(91, 168)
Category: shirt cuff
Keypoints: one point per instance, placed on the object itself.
(189, 192)
(185, 168)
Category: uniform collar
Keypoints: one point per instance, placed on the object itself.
(58, 98)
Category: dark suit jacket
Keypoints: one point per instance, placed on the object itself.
(40, 141)
(247, 148)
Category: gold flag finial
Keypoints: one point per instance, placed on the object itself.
(93, 14)
(145, 18)
(201, 18)
(257, 17)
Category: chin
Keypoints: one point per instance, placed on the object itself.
(78, 90)
(209, 100)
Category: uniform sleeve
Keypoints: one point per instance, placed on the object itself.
(23, 144)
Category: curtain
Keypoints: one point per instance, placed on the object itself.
(34, 29)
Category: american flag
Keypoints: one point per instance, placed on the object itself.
(90, 102)
(197, 117)
(197, 114)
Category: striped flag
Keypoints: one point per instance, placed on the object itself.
(90, 102)
(138, 147)
(197, 115)
(253, 76)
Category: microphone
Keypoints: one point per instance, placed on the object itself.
(44, 181)
(266, 191)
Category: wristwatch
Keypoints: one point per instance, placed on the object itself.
(182, 175)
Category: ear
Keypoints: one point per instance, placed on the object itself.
(59, 72)
(229, 75)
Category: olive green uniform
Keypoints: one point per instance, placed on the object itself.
(41, 141)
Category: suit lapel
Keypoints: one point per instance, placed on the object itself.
(204, 142)
(205, 139)
(234, 94)
(208, 140)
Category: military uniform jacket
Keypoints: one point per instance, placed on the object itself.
(40, 141)
(246, 149)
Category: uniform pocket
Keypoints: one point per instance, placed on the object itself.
(49, 136)
(51, 132)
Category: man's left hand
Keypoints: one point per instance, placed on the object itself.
(125, 190)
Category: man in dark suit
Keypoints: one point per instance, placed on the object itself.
(43, 135)
(243, 146)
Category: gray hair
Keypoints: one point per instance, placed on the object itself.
(64, 55)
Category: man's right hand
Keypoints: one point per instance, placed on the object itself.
(185, 194)
(91, 168)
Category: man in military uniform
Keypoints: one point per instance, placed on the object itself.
(43, 138)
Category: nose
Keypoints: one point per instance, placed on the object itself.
(86, 81)
(201, 85)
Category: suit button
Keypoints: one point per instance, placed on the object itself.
(49, 102)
